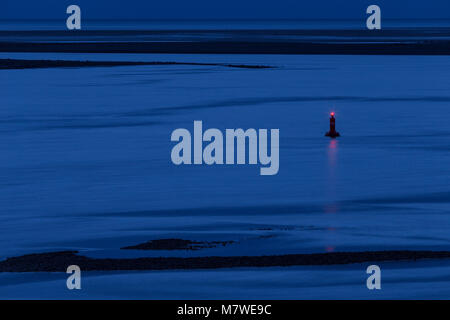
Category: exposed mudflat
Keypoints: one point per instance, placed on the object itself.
(59, 261)
(176, 244)
(35, 64)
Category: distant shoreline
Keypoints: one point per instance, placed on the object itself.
(59, 261)
(236, 47)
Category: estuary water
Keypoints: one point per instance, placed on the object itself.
(86, 154)
(85, 165)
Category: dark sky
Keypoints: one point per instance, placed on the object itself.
(223, 9)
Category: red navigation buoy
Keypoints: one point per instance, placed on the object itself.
(332, 133)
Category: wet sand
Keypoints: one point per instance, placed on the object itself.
(35, 64)
(176, 244)
(59, 261)
(237, 47)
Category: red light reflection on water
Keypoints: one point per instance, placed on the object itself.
(331, 180)
(331, 203)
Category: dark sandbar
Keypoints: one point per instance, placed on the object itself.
(176, 244)
(33, 64)
(425, 47)
(59, 261)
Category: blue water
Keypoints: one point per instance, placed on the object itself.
(86, 164)
(224, 30)
(210, 24)
(86, 154)
(238, 24)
